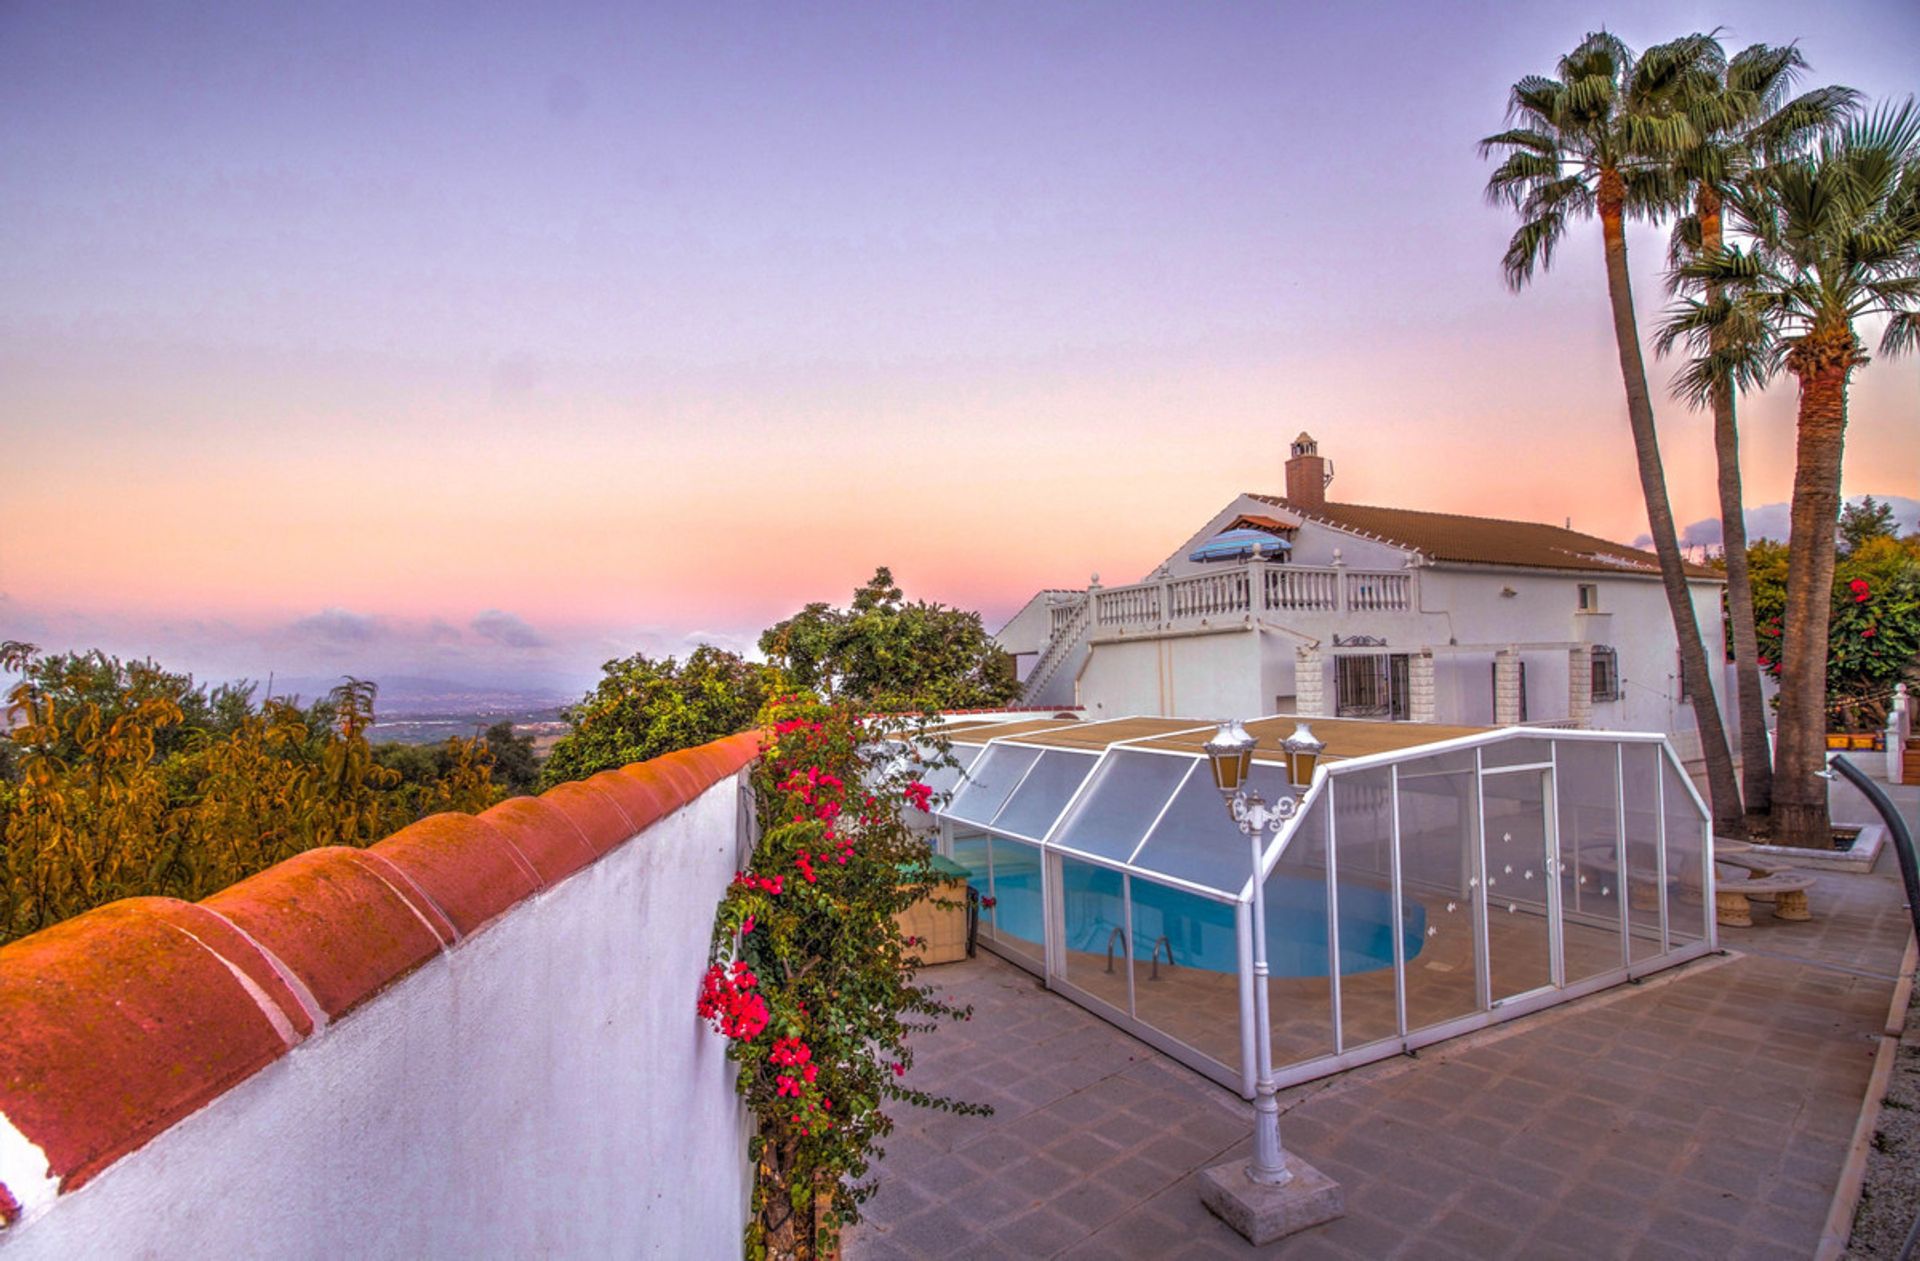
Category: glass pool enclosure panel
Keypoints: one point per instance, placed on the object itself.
(1416, 895)
(1121, 803)
(1045, 791)
(944, 779)
(990, 781)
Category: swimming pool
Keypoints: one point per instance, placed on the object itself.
(1198, 931)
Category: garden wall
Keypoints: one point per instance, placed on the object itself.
(476, 1038)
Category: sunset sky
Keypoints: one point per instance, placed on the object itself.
(489, 343)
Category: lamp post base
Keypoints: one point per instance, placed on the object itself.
(1265, 1213)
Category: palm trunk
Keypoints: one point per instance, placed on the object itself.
(1756, 759)
(1695, 676)
(1822, 363)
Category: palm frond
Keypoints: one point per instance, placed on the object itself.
(1765, 73)
(1658, 134)
(1532, 139)
(1532, 248)
(1892, 128)
(1682, 244)
(1791, 127)
(1653, 190)
(1515, 179)
(1535, 98)
(1902, 334)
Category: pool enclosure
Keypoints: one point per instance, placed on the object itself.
(1435, 879)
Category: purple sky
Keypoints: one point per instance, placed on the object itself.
(492, 343)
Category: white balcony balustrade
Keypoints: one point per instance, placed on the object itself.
(1249, 590)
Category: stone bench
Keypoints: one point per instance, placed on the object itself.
(1789, 893)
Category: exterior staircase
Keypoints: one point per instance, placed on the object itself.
(1051, 683)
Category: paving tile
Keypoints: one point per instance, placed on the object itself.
(1080, 1108)
(1126, 1130)
(1041, 1233)
(1474, 1232)
(1617, 1127)
(1092, 1204)
(1083, 1152)
(929, 1233)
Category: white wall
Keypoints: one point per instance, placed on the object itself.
(1192, 676)
(543, 1089)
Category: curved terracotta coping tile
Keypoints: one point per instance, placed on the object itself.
(599, 815)
(676, 770)
(467, 867)
(646, 791)
(639, 803)
(544, 835)
(118, 1024)
(121, 1021)
(345, 928)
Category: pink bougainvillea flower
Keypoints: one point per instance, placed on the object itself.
(1861, 591)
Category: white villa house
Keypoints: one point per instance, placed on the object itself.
(1294, 604)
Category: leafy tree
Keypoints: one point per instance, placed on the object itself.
(432, 777)
(1834, 238)
(515, 768)
(1869, 519)
(1742, 117)
(1873, 624)
(893, 656)
(113, 794)
(1599, 137)
(643, 708)
(114, 687)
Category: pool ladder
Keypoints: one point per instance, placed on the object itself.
(1154, 958)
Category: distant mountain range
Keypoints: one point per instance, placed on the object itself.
(402, 696)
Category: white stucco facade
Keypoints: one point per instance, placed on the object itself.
(1451, 641)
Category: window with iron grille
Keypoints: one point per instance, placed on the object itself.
(1606, 673)
(1373, 685)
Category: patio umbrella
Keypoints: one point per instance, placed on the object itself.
(1238, 545)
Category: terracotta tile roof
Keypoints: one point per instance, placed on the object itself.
(1445, 536)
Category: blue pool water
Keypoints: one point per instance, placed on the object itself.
(1199, 930)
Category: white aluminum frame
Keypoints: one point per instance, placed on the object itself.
(1321, 793)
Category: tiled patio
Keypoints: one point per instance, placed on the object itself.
(1705, 1112)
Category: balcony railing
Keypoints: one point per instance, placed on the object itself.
(1065, 613)
(1248, 590)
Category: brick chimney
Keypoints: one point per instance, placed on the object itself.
(1308, 474)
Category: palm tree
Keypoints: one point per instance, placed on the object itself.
(1742, 117)
(1600, 138)
(1835, 239)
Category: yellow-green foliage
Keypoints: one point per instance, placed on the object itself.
(114, 792)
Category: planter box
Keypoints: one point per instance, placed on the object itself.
(942, 930)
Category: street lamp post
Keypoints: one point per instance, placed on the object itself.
(1276, 1204)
